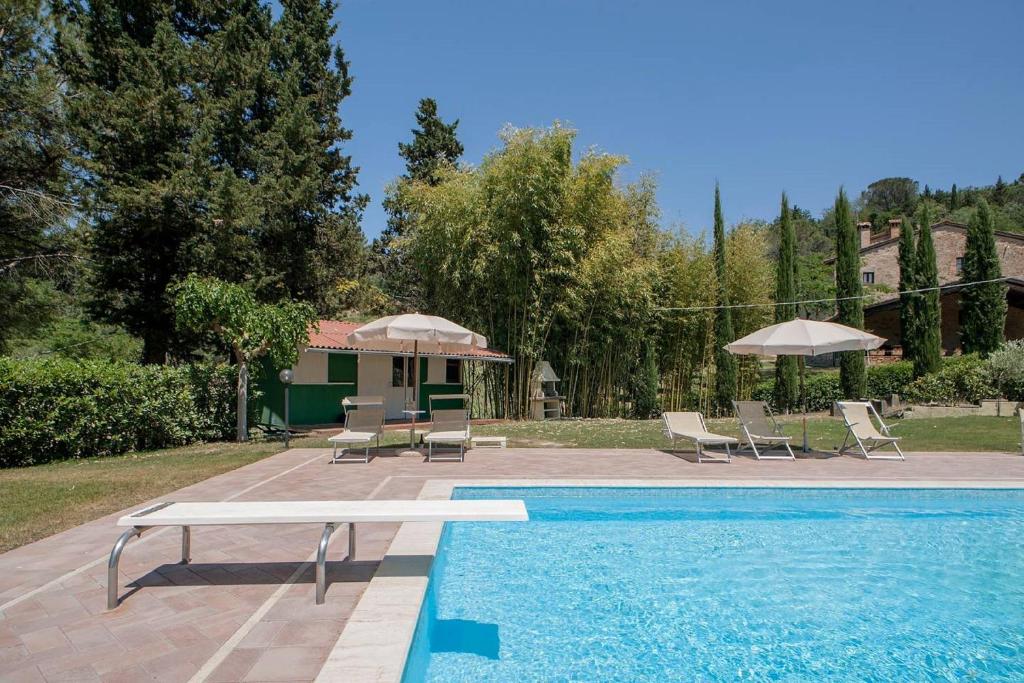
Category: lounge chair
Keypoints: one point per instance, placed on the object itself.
(691, 426)
(857, 416)
(760, 427)
(449, 426)
(362, 425)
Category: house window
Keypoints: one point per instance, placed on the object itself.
(868, 277)
(959, 265)
(452, 371)
(398, 363)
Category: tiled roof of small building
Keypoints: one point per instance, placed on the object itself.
(333, 335)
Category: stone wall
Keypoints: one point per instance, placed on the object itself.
(950, 242)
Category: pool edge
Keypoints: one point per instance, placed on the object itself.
(375, 642)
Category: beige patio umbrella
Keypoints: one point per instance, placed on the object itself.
(417, 332)
(799, 337)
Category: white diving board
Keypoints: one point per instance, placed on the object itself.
(330, 513)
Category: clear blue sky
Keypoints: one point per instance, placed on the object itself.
(762, 96)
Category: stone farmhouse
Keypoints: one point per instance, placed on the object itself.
(879, 255)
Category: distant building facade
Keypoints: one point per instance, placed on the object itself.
(879, 257)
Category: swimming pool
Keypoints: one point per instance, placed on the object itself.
(607, 584)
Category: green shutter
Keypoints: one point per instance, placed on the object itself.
(341, 367)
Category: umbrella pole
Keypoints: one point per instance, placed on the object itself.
(415, 381)
(803, 401)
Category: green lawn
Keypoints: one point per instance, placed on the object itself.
(950, 434)
(42, 500)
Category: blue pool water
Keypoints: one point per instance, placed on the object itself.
(729, 584)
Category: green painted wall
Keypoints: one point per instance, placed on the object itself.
(428, 390)
(321, 403)
(308, 403)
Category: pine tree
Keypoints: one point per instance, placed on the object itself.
(910, 303)
(312, 241)
(786, 380)
(434, 145)
(983, 307)
(999, 192)
(725, 364)
(131, 118)
(33, 151)
(852, 373)
(928, 344)
(954, 199)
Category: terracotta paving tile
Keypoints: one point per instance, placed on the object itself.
(26, 674)
(262, 634)
(87, 635)
(44, 639)
(127, 674)
(310, 633)
(235, 666)
(80, 673)
(287, 664)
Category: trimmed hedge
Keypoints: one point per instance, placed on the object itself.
(62, 409)
(822, 388)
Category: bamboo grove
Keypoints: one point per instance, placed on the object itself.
(553, 258)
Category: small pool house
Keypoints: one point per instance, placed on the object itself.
(331, 368)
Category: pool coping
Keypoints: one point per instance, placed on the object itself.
(375, 642)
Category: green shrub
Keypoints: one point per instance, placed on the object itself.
(1006, 367)
(963, 379)
(60, 409)
(892, 378)
(823, 389)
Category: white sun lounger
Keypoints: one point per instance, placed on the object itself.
(330, 513)
(690, 426)
(449, 426)
(760, 427)
(362, 425)
(857, 416)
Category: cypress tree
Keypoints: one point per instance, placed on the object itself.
(928, 344)
(982, 307)
(725, 364)
(999, 192)
(852, 373)
(786, 380)
(954, 199)
(909, 303)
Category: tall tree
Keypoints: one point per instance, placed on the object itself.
(312, 240)
(910, 302)
(33, 150)
(434, 146)
(999, 192)
(928, 344)
(209, 142)
(130, 114)
(786, 379)
(852, 373)
(891, 195)
(954, 198)
(725, 364)
(983, 307)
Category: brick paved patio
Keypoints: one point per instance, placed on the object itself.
(244, 609)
